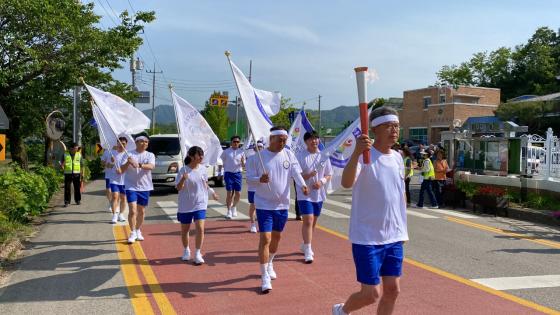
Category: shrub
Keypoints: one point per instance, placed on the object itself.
(470, 189)
(491, 191)
(11, 204)
(95, 168)
(31, 185)
(543, 202)
(53, 178)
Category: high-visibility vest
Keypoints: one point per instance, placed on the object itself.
(411, 171)
(431, 174)
(72, 166)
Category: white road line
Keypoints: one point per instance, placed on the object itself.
(338, 203)
(222, 209)
(170, 208)
(420, 214)
(291, 215)
(516, 283)
(348, 199)
(327, 212)
(453, 213)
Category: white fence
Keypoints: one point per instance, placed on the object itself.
(540, 157)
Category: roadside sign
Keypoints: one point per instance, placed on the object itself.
(2, 147)
(98, 148)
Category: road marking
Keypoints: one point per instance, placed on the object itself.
(221, 209)
(159, 296)
(516, 283)
(462, 280)
(421, 215)
(453, 213)
(291, 215)
(338, 203)
(502, 232)
(138, 297)
(328, 212)
(170, 208)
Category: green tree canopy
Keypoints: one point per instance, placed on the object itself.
(45, 47)
(217, 118)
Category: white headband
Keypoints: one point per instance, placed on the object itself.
(383, 119)
(279, 133)
(141, 138)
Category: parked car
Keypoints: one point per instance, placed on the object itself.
(167, 149)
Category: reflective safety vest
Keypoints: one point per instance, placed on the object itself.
(431, 174)
(72, 166)
(411, 171)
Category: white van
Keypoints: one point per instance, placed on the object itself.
(167, 149)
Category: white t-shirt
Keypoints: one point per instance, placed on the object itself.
(252, 162)
(194, 195)
(139, 179)
(116, 178)
(309, 162)
(105, 158)
(232, 160)
(281, 168)
(378, 213)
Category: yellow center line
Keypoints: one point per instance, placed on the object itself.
(162, 301)
(139, 298)
(462, 280)
(502, 232)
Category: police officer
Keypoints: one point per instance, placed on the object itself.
(73, 172)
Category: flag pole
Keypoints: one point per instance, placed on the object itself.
(227, 53)
(102, 134)
(177, 122)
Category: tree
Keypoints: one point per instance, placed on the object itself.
(45, 47)
(282, 117)
(217, 118)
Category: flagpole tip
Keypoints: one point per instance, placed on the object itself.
(170, 86)
(227, 53)
(82, 80)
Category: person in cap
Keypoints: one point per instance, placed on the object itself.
(378, 224)
(72, 165)
(138, 167)
(272, 198)
(192, 184)
(234, 161)
(116, 180)
(252, 162)
(316, 176)
(428, 177)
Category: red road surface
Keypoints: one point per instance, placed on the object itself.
(229, 282)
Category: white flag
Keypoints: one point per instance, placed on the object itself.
(121, 116)
(107, 137)
(259, 120)
(299, 127)
(339, 152)
(270, 101)
(194, 130)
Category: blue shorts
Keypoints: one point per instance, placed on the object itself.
(118, 188)
(140, 197)
(376, 261)
(233, 181)
(251, 196)
(107, 183)
(308, 207)
(272, 220)
(187, 217)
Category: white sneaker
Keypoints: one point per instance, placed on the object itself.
(132, 237)
(308, 256)
(271, 271)
(302, 249)
(139, 235)
(228, 215)
(198, 260)
(253, 228)
(337, 309)
(234, 212)
(186, 255)
(121, 218)
(266, 284)
(115, 218)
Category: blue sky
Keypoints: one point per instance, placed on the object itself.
(307, 48)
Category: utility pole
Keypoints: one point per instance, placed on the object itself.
(154, 96)
(319, 116)
(76, 124)
(135, 65)
(236, 113)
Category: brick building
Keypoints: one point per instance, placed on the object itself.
(428, 111)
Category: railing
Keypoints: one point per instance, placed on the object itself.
(540, 157)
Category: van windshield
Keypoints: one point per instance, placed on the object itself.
(164, 146)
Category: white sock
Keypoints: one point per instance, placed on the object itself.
(188, 250)
(264, 269)
(197, 252)
(307, 246)
(271, 257)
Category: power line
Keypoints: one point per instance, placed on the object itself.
(110, 7)
(109, 15)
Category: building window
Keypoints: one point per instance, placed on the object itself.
(427, 101)
(442, 99)
(418, 134)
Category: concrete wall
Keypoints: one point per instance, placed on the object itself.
(514, 182)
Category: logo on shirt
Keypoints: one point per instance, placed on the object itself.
(286, 164)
